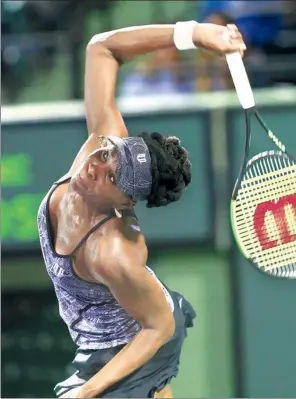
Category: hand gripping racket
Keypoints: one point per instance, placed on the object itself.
(263, 204)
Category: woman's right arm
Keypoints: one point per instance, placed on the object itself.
(106, 51)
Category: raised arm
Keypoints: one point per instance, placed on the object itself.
(106, 51)
(143, 299)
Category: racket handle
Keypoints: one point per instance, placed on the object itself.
(240, 80)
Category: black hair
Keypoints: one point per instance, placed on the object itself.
(171, 169)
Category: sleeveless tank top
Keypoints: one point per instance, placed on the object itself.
(93, 316)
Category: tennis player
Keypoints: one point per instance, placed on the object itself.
(129, 328)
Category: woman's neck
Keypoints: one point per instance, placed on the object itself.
(82, 211)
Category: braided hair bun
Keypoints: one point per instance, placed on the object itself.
(171, 169)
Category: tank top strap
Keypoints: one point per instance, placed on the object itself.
(124, 212)
(112, 214)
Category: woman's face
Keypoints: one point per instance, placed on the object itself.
(96, 179)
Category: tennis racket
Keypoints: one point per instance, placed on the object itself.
(263, 203)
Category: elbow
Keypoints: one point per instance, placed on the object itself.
(96, 47)
(97, 40)
(165, 329)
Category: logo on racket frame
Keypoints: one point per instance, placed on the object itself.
(278, 210)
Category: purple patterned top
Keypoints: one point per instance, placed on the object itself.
(94, 318)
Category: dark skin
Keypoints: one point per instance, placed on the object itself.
(116, 254)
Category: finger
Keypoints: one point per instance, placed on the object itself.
(235, 35)
(233, 44)
(232, 34)
(232, 27)
(236, 45)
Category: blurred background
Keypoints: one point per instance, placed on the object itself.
(242, 343)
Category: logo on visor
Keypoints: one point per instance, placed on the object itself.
(141, 158)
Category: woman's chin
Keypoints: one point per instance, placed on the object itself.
(77, 185)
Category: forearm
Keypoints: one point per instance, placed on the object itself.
(129, 42)
(140, 350)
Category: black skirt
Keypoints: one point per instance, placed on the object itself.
(148, 379)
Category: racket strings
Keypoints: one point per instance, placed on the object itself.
(267, 183)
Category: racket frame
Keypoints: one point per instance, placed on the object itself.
(246, 163)
(246, 98)
(246, 153)
(248, 114)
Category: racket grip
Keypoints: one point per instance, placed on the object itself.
(240, 80)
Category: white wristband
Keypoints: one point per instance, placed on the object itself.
(183, 35)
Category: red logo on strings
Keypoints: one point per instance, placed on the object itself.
(277, 208)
